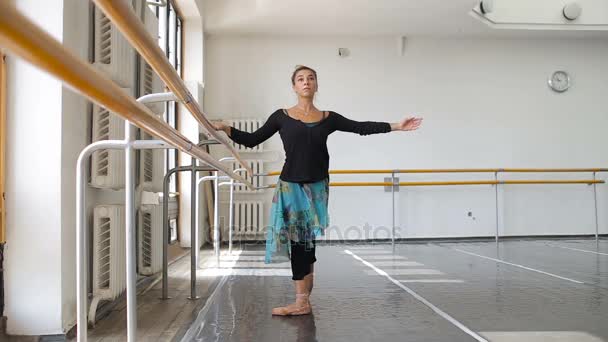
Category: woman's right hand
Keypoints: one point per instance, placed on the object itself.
(221, 126)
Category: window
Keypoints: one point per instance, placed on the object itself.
(170, 41)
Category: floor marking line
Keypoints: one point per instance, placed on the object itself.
(386, 257)
(576, 249)
(408, 271)
(431, 281)
(397, 263)
(260, 264)
(378, 252)
(421, 299)
(257, 272)
(517, 265)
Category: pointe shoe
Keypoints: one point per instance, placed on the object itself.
(292, 310)
(300, 307)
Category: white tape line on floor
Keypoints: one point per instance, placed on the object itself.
(421, 299)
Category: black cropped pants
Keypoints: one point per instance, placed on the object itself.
(302, 258)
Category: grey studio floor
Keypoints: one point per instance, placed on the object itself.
(517, 290)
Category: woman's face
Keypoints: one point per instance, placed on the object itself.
(305, 83)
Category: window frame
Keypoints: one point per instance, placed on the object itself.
(174, 52)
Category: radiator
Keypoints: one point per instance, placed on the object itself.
(109, 243)
(248, 219)
(258, 167)
(247, 126)
(151, 167)
(107, 166)
(150, 236)
(114, 56)
(150, 83)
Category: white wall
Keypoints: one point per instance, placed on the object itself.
(485, 104)
(194, 39)
(33, 260)
(74, 128)
(44, 141)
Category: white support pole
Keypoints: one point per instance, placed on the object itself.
(131, 252)
(129, 145)
(232, 184)
(597, 226)
(216, 224)
(230, 216)
(131, 256)
(82, 254)
(214, 178)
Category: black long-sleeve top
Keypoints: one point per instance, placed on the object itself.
(306, 155)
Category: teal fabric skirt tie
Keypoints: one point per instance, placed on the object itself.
(298, 213)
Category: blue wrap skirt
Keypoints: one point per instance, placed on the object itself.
(298, 213)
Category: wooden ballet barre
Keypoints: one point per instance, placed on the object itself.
(449, 183)
(385, 171)
(552, 170)
(583, 181)
(122, 16)
(2, 142)
(25, 39)
(411, 171)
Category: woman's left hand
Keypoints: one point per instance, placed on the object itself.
(407, 124)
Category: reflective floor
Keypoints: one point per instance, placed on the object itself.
(525, 290)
